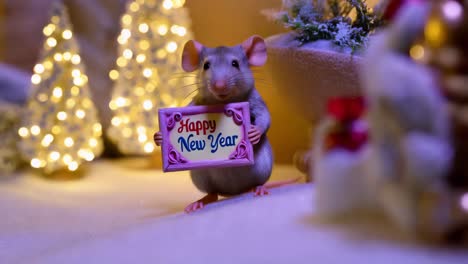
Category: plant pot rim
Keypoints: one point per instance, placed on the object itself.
(306, 78)
(287, 41)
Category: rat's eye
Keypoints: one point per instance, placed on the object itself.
(235, 64)
(206, 66)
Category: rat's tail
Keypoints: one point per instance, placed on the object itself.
(270, 185)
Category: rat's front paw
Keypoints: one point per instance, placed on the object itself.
(254, 134)
(194, 207)
(197, 205)
(260, 191)
(158, 138)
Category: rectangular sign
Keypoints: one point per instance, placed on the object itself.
(196, 137)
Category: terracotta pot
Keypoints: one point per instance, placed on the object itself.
(307, 76)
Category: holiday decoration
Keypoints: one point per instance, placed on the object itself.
(415, 81)
(348, 131)
(14, 84)
(413, 168)
(9, 121)
(444, 47)
(347, 23)
(206, 136)
(148, 74)
(339, 160)
(60, 129)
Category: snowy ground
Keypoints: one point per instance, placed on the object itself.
(121, 214)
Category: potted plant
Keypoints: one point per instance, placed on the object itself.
(320, 55)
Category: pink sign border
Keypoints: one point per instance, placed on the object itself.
(175, 161)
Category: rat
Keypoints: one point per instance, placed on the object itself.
(225, 76)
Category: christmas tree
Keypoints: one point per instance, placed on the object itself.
(151, 43)
(60, 129)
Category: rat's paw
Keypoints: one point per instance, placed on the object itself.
(194, 207)
(158, 138)
(254, 134)
(260, 191)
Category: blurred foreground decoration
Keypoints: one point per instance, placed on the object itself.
(444, 47)
(417, 84)
(14, 85)
(60, 128)
(148, 74)
(414, 167)
(10, 158)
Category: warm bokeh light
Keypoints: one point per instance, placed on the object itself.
(60, 119)
(150, 46)
(464, 202)
(435, 32)
(417, 52)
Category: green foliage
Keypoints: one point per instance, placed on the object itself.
(330, 20)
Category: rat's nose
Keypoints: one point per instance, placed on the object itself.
(220, 85)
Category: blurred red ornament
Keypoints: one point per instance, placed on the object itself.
(395, 5)
(346, 108)
(350, 131)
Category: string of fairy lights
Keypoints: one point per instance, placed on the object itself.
(150, 46)
(60, 128)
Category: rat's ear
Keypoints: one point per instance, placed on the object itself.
(191, 56)
(256, 51)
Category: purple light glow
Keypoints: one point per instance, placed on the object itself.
(464, 201)
(452, 10)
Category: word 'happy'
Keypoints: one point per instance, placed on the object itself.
(197, 126)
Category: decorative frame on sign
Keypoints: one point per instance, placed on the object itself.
(196, 137)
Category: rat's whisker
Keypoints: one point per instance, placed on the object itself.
(191, 93)
(259, 72)
(240, 75)
(180, 77)
(247, 76)
(186, 73)
(192, 84)
(262, 80)
(262, 85)
(255, 80)
(258, 76)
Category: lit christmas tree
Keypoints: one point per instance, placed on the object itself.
(151, 43)
(60, 129)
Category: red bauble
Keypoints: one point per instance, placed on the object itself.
(395, 5)
(346, 109)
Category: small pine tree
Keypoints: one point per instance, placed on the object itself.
(347, 23)
(60, 129)
(150, 46)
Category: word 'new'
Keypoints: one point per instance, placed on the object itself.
(189, 144)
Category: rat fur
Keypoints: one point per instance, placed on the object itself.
(225, 76)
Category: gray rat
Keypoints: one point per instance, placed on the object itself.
(225, 76)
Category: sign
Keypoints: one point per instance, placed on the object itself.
(196, 137)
